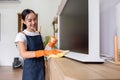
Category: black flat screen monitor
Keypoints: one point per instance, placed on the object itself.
(73, 29)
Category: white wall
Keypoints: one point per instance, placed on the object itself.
(46, 10)
(118, 22)
(108, 25)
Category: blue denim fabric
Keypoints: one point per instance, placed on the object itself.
(34, 68)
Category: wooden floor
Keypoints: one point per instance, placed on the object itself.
(8, 73)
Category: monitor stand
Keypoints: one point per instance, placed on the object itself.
(84, 58)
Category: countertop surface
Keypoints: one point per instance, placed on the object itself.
(68, 69)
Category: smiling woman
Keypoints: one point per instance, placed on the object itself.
(20, 28)
(30, 44)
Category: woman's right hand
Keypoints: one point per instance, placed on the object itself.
(52, 42)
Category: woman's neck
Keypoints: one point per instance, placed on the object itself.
(31, 30)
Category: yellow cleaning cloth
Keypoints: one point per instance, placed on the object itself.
(59, 55)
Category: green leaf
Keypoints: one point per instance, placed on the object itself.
(47, 38)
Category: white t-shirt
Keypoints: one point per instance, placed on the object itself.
(21, 36)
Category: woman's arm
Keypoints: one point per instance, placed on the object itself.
(32, 54)
(23, 52)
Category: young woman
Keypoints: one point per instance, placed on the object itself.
(30, 45)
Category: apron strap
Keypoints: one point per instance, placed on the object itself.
(23, 33)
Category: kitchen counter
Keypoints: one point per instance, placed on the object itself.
(68, 69)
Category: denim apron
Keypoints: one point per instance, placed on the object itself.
(34, 68)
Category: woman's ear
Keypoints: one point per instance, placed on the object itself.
(23, 22)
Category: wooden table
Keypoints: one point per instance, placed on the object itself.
(67, 69)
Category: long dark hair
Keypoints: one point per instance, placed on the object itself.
(25, 12)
